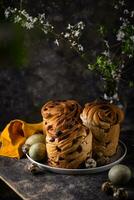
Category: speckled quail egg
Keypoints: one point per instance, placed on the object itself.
(119, 174)
(37, 151)
(90, 163)
(35, 139)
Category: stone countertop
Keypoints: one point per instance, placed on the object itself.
(51, 186)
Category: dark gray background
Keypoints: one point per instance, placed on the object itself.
(51, 72)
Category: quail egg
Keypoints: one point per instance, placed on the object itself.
(90, 163)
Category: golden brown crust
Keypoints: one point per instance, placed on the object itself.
(68, 142)
(60, 115)
(103, 119)
(101, 114)
(105, 142)
(70, 152)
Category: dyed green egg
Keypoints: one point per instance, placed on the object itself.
(119, 174)
(37, 151)
(36, 138)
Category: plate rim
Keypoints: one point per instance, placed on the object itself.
(88, 170)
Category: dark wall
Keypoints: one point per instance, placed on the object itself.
(51, 72)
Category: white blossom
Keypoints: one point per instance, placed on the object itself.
(80, 47)
(120, 35)
(74, 43)
(106, 43)
(113, 73)
(21, 17)
(44, 31)
(106, 53)
(69, 26)
(56, 42)
(76, 33)
(17, 19)
(7, 13)
(46, 27)
(116, 6)
(116, 96)
(130, 55)
(67, 35)
(109, 61)
(132, 38)
(132, 13)
(122, 66)
(42, 17)
(89, 66)
(35, 19)
(27, 25)
(25, 14)
(47, 24)
(81, 25)
(122, 3)
(105, 96)
(125, 23)
(126, 11)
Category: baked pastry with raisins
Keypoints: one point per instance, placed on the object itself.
(68, 141)
(103, 119)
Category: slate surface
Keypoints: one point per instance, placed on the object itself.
(51, 186)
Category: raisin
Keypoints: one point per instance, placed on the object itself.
(58, 133)
(70, 126)
(71, 108)
(65, 137)
(70, 153)
(79, 149)
(57, 162)
(60, 158)
(47, 115)
(87, 131)
(51, 106)
(74, 141)
(58, 149)
(52, 139)
(107, 143)
(71, 160)
(76, 129)
(106, 130)
(49, 127)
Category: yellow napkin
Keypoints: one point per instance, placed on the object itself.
(14, 135)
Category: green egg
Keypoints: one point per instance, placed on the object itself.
(36, 138)
(37, 151)
(119, 174)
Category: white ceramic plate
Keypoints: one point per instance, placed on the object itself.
(117, 158)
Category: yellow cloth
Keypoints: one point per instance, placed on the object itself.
(14, 135)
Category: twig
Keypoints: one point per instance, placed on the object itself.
(21, 2)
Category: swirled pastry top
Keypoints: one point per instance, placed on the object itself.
(101, 114)
(60, 115)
